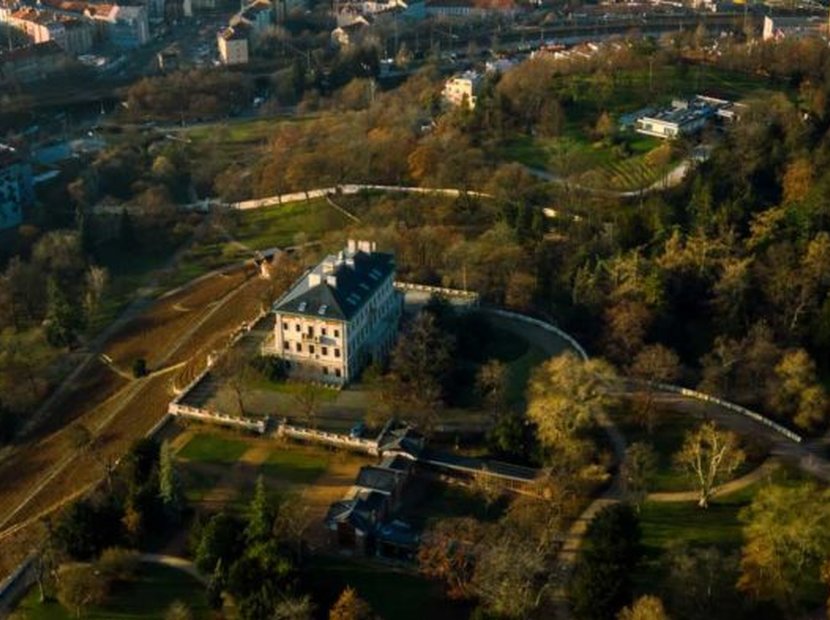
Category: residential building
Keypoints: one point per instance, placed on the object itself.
(257, 16)
(123, 26)
(463, 89)
(362, 522)
(233, 45)
(127, 26)
(340, 315)
(16, 191)
(32, 63)
(470, 8)
(72, 34)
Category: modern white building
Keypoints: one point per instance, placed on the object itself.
(339, 316)
(685, 117)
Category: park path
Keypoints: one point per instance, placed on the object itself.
(172, 561)
(762, 472)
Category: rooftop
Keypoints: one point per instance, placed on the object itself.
(340, 285)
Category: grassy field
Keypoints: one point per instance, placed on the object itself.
(666, 440)
(148, 598)
(391, 593)
(211, 448)
(296, 464)
(666, 525)
(259, 229)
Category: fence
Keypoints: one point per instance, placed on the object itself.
(437, 290)
(757, 417)
(369, 446)
(541, 325)
(206, 415)
(676, 389)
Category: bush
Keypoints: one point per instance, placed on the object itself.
(271, 368)
(117, 564)
(140, 368)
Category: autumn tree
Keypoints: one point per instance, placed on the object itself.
(448, 553)
(420, 364)
(786, 541)
(491, 382)
(699, 581)
(80, 587)
(566, 395)
(638, 469)
(797, 393)
(601, 582)
(349, 606)
(644, 608)
(654, 363)
(709, 456)
(626, 325)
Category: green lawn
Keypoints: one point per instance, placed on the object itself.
(197, 483)
(666, 440)
(296, 465)
(258, 229)
(149, 597)
(213, 449)
(392, 593)
(623, 167)
(519, 373)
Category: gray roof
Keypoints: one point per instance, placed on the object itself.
(355, 278)
(378, 478)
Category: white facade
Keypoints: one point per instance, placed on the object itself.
(233, 47)
(339, 316)
(463, 89)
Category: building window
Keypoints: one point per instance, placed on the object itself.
(286, 345)
(297, 327)
(337, 353)
(323, 331)
(299, 348)
(325, 370)
(310, 330)
(311, 349)
(337, 372)
(337, 333)
(285, 326)
(325, 350)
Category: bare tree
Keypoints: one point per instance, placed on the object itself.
(709, 455)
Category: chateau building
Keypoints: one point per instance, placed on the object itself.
(339, 316)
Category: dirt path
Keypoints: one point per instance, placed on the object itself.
(327, 489)
(761, 472)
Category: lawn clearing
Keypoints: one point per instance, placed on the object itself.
(296, 464)
(392, 593)
(667, 440)
(211, 448)
(148, 597)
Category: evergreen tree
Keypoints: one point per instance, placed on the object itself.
(260, 515)
(126, 231)
(169, 484)
(64, 318)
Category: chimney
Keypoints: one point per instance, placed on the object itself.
(331, 280)
(351, 246)
(314, 278)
